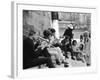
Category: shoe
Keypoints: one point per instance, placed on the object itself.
(58, 62)
(73, 58)
(66, 65)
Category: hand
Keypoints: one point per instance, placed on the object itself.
(66, 43)
(43, 45)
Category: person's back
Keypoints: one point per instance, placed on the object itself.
(27, 49)
(68, 32)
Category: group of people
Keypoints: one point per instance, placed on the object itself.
(50, 51)
(77, 50)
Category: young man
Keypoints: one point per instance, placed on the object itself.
(66, 47)
(55, 41)
(69, 32)
(32, 54)
(52, 49)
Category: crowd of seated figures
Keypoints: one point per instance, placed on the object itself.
(48, 51)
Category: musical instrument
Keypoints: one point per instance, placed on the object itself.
(41, 39)
(47, 43)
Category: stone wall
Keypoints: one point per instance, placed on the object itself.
(36, 20)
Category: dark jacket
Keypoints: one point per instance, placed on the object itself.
(68, 32)
(29, 49)
(30, 52)
(31, 55)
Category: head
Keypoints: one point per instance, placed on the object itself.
(70, 26)
(81, 46)
(47, 34)
(81, 38)
(52, 31)
(32, 34)
(74, 42)
(86, 36)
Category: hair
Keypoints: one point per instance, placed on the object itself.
(52, 30)
(81, 36)
(74, 42)
(81, 48)
(47, 33)
(31, 33)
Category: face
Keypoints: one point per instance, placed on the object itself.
(66, 27)
(51, 37)
(75, 43)
(81, 40)
(35, 36)
(81, 46)
(54, 34)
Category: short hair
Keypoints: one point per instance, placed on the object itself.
(74, 42)
(82, 46)
(47, 33)
(86, 34)
(31, 33)
(52, 30)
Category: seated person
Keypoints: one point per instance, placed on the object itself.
(55, 41)
(77, 51)
(53, 51)
(81, 40)
(81, 54)
(31, 55)
(74, 49)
